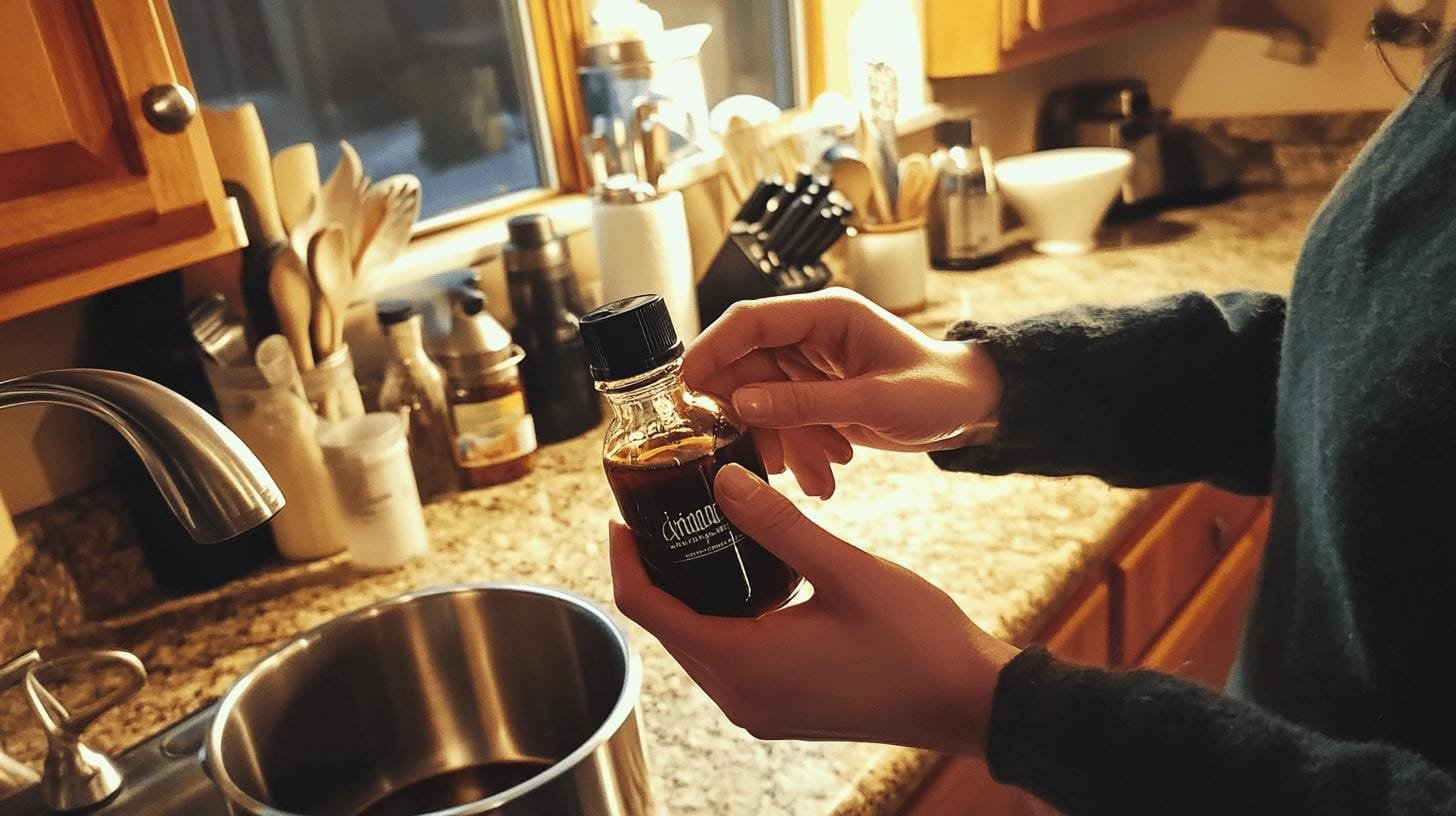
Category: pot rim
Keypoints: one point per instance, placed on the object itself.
(622, 710)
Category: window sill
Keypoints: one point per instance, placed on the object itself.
(479, 241)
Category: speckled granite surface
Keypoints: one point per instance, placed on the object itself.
(1007, 549)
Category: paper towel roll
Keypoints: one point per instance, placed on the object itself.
(643, 247)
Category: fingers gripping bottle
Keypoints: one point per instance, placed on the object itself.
(664, 446)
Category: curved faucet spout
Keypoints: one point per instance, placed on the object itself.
(214, 485)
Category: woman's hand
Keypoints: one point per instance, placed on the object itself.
(813, 373)
(876, 655)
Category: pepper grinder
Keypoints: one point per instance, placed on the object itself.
(560, 394)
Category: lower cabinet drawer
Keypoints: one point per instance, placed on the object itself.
(1203, 640)
(1083, 634)
(1158, 573)
(962, 786)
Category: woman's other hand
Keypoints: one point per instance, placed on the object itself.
(813, 373)
(876, 655)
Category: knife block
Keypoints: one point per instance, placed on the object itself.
(743, 270)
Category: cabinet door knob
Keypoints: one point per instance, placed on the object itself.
(169, 108)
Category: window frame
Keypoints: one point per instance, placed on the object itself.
(557, 33)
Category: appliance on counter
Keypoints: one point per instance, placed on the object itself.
(354, 717)
(1171, 164)
(964, 217)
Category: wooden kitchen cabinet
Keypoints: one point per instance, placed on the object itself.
(93, 192)
(1158, 571)
(1172, 595)
(1200, 644)
(987, 36)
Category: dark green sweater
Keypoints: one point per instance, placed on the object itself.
(1343, 406)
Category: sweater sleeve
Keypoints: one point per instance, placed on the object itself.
(1176, 390)
(1092, 742)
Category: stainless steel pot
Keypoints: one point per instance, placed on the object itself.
(485, 698)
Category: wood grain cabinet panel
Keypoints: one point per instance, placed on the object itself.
(91, 194)
(1158, 573)
(1202, 642)
(973, 37)
(1083, 633)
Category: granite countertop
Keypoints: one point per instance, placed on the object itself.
(1009, 550)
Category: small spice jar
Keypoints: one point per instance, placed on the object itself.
(495, 437)
(369, 461)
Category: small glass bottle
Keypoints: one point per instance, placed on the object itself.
(414, 388)
(494, 434)
(664, 446)
(546, 305)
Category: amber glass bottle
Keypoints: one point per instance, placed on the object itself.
(663, 447)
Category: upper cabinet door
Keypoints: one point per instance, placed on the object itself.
(972, 37)
(79, 158)
(1049, 15)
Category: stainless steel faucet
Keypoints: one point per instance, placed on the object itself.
(214, 485)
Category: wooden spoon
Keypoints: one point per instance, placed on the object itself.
(328, 260)
(291, 291)
(916, 182)
(296, 175)
(856, 180)
(337, 203)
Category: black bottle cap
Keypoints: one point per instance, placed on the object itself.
(628, 337)
(955, 133)
(392, 312)
(530, 230)
(471, 299)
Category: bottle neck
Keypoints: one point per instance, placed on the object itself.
(655, 392)
(407, 342)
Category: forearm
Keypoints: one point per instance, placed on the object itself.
(1093, 742)
(1177, 390)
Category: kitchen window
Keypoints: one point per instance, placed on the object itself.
(452, 91)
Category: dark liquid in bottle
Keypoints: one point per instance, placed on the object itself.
(688, 547)
(456, 788)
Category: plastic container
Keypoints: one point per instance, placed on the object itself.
(368, 458)
(332, 390)
(280, 429)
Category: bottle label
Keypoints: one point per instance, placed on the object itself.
(696, 533)
(493, 431)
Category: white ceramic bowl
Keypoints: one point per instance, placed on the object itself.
(1064, 194)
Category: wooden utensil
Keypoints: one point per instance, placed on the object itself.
(338, 202)
(860, 185)
(291, 290)
(916, 180)
(402, 209)
(242, 156)
(328, 261)
(296, 177)
(885, 109)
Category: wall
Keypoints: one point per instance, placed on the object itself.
(1198, 69)
(48, 452)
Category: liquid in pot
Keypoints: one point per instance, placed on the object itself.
(455, 788)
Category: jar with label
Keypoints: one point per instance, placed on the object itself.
(369, 461)
(664, 446)
(495, 436)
